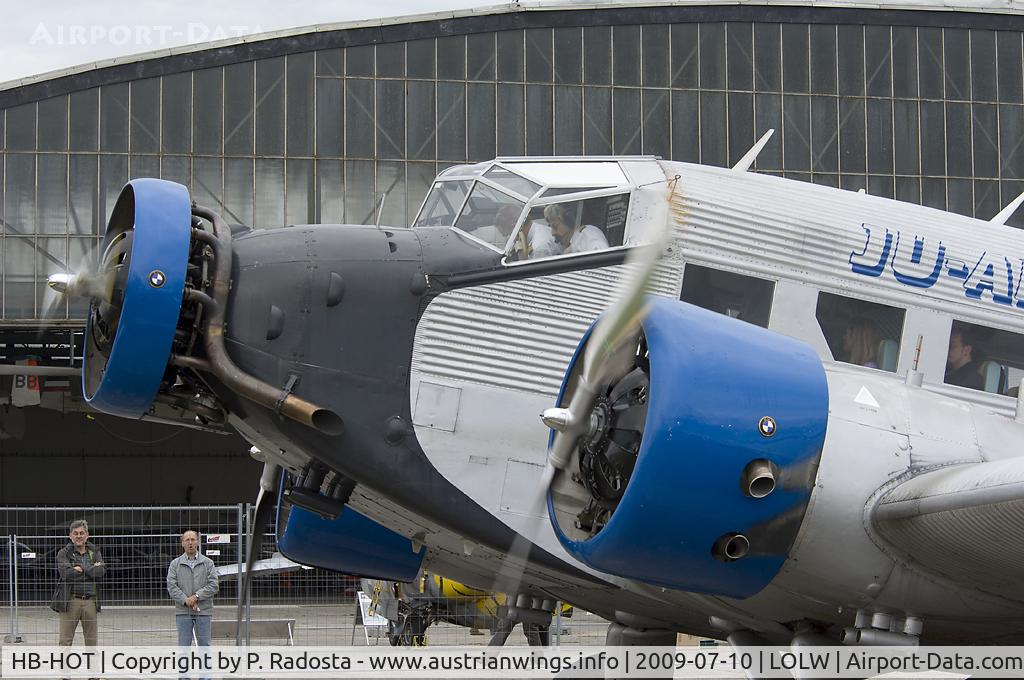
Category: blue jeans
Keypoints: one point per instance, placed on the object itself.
(202, 625)
(186, 623)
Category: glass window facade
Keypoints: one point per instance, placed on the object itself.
(320, 135)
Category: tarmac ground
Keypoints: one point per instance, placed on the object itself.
(315, 624)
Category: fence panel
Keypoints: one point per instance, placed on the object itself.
(138, 543)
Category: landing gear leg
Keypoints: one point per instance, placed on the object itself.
(499, 634)
(537, 635)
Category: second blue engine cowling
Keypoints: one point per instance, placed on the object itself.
(350, 543)
(700, 459)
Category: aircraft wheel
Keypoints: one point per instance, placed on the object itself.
(410, 633)
(393, 636)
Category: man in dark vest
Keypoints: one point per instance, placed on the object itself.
(81, 567)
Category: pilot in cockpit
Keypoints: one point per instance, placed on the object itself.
(534, 240)
(504, 223)
(580, 239)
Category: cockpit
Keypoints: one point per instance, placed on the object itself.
(532, 209)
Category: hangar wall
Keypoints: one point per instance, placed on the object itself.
(925, 105)
(58, 458)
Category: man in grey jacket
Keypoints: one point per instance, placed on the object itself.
(192, 583)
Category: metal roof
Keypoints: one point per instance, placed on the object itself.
(984, 7)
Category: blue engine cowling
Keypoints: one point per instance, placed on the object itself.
(142, 268)
(351, 543)
(708, 495)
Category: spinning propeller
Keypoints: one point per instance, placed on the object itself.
(266, 504)
(607, 396)
(606, 388)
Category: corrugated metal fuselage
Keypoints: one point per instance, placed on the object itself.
(490, 358)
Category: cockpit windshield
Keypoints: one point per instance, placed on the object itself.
(443, 203)
(533, 209)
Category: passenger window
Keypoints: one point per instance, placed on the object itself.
(735, 295)
(861, 332)
(986, 359)
(442, 204)
(572, 227)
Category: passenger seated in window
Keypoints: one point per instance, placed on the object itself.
(861, 342)
(961, 366)
(534, 241)
(581, 239)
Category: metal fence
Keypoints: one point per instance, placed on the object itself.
(317, 606)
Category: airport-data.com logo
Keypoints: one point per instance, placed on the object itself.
(149, 35)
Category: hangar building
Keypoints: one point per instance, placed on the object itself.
(919, 101)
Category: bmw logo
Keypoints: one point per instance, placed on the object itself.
(157, 278)
(766, 426)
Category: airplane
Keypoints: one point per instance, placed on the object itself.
(411, 608)
(724, 450)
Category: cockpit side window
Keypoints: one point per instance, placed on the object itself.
(442, 204)
(569, 227)
(982, 358)
(860, 332)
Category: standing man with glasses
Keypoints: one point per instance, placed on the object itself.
(77, 598)
(192, 583)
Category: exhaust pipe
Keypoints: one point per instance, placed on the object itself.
(758, 478)
(870, 637)
(730, 547)
(217, 360)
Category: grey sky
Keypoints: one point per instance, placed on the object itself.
(57, 34)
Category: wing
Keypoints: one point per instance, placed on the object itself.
(965, 522)
(278, 564)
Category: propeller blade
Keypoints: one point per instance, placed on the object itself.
(604, 357)
(633, 380)
(266, 503)
(603, 360)
(117, 249)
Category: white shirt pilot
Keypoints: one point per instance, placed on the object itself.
(540, 242)
(585, 238)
